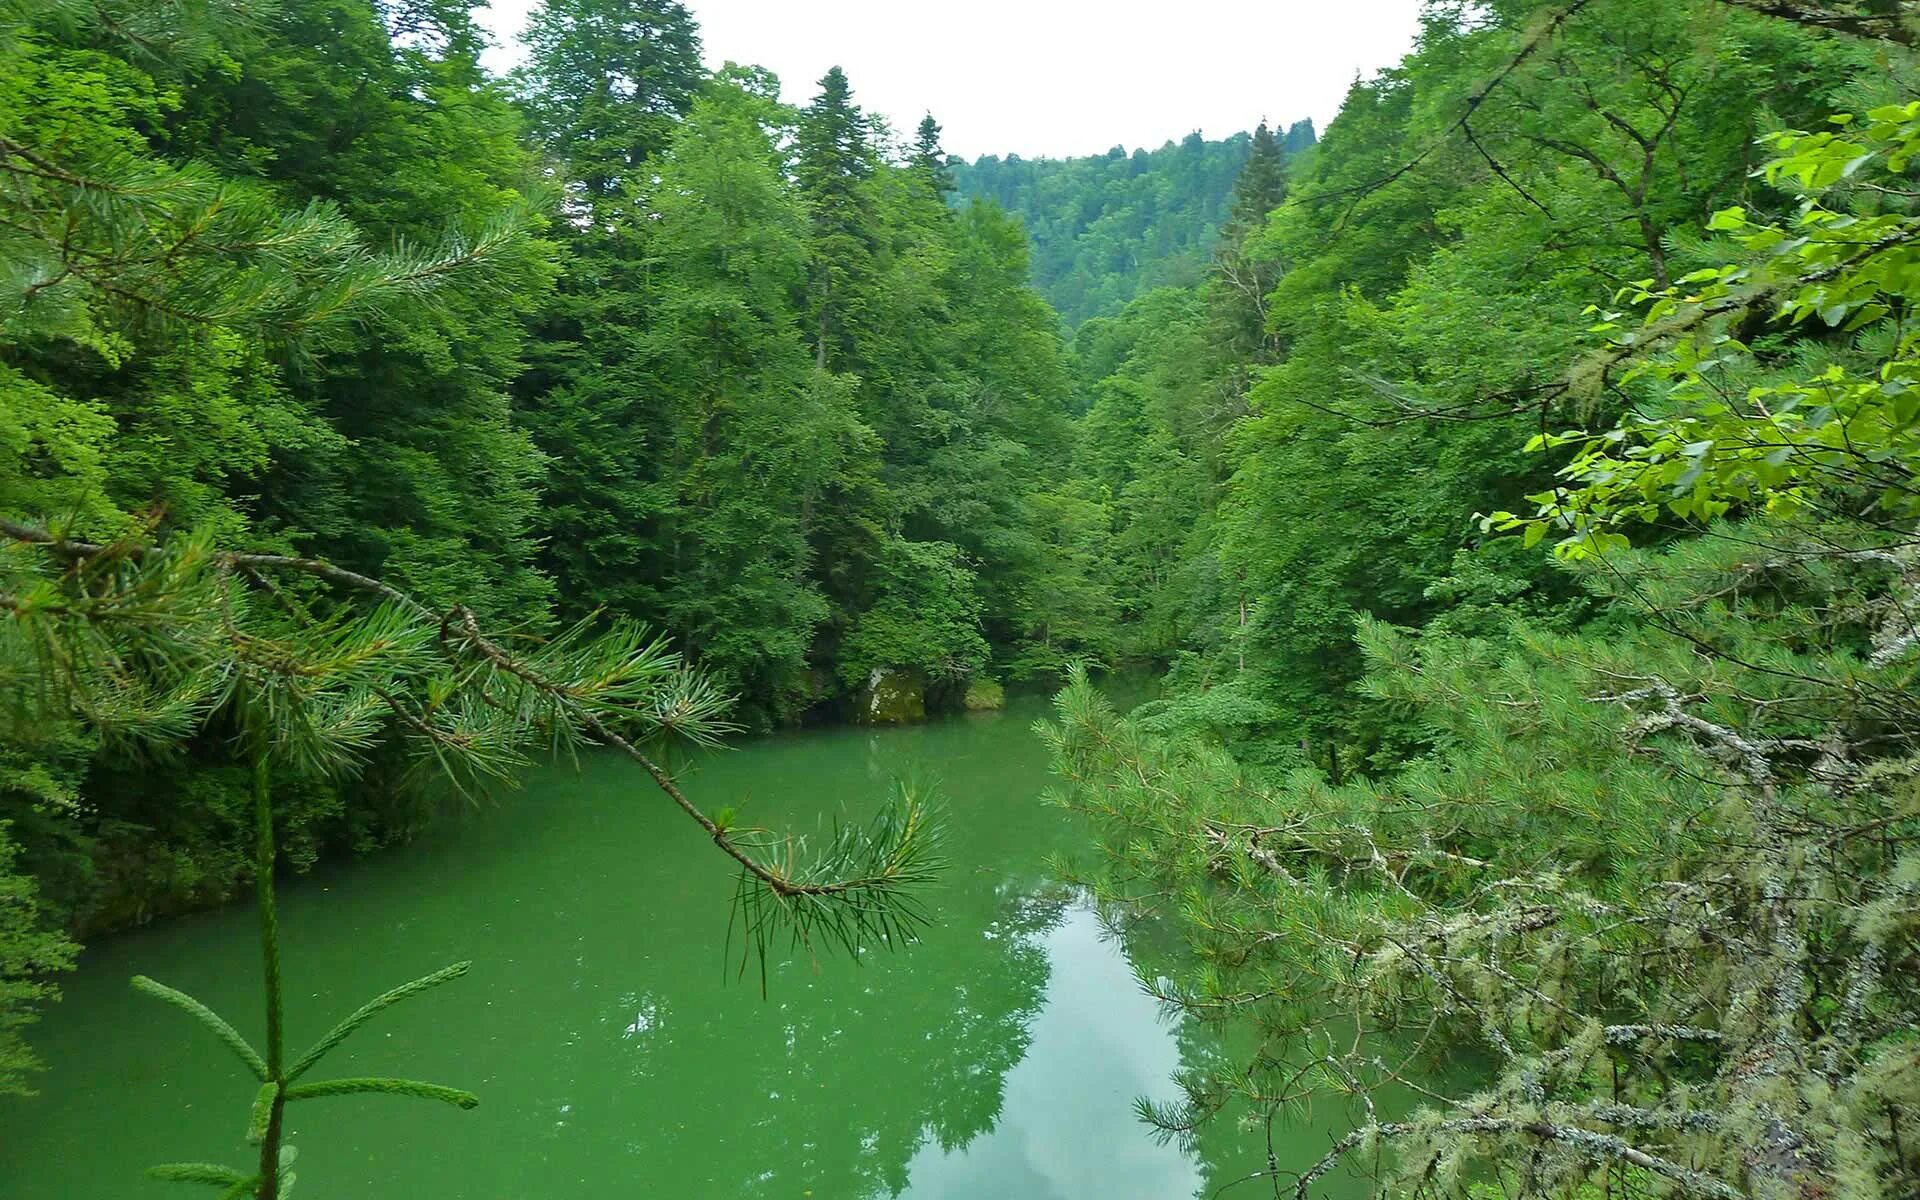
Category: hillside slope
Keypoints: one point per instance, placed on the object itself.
(1107, 227)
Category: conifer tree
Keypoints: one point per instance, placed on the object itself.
(604, 86)
(1261, 187)
(1243, 268)
(754, 433)
(929, 159)
(605, 82)
(835, 158)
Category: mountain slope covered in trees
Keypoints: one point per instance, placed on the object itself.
(1107, 227)
(1524, 510)
(616, 338)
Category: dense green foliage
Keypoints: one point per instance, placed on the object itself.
(1108, 227)
(611, 338)
(1517, 488)
(1609, 850)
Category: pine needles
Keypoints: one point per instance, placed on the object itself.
(152, 642)
(861, 889)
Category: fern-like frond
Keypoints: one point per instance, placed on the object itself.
(207, 1017)
(366, 1012)
(193, 1172)
(378, 1086)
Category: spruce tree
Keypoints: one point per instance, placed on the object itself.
(1243, 269)
(1260, 188)
(929, 159)
(753, 432)
(835, 158)
(604, 83)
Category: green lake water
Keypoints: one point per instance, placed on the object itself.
(616, 1054)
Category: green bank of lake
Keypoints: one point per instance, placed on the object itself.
(617, 1052)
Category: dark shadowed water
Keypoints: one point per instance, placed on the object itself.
(614, 1052)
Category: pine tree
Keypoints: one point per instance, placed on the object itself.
(604, 86)
(605, 82)
(1243, 268)
(835, 160)
(929, 159)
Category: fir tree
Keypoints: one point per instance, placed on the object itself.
(1243, 270)
(1261, 187)
(929, 159)
(754, 434)
(605, 85)
(605, 82)
(835, 159)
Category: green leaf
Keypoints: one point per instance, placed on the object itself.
(375, 1086)
(206, 1016)
(367, 1012)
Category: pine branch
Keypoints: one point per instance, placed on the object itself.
(315, 694)
(375, 1086)
(207, 1017)
(1584, 1142)
(262, 1112)
(1897, 21)
(192, 1172)
(368, 1011)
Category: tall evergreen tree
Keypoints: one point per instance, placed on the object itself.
(1260, 189)
(1244, 270)
(928, 157)
(604, 83)
(835, 159)
(753, 431)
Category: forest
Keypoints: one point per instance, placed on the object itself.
(1514, 491)
(1105, 228)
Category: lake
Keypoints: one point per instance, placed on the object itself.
(617, 1050)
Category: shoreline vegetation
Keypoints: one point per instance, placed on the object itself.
(1516, 495)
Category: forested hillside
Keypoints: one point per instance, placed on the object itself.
(1523, 509)
(307, 282)
(1108, 227)
(1516, 492)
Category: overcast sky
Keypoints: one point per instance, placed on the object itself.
(1055, 77)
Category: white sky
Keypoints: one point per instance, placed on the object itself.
(1054, 77)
